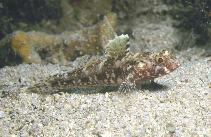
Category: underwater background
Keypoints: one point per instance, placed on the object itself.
(44, 38)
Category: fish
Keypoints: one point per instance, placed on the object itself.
(118, 67)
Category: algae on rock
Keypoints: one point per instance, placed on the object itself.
(193, 16)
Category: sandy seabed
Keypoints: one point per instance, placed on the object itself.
(181, 106)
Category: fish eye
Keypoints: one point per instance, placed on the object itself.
(159, 59)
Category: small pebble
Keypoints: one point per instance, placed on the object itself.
(209, 85)
(2, 114)
(170, 127)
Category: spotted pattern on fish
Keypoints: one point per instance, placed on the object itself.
(132, 68)
(124, 69)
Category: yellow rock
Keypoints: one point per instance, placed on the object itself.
(40, 47)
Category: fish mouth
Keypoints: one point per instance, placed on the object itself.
(161, 71)
(171, 66)
(174, 66)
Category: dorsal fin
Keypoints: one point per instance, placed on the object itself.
(118, 47)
